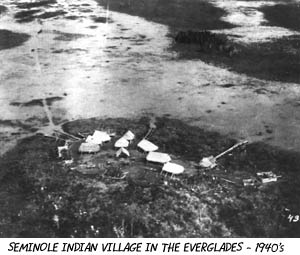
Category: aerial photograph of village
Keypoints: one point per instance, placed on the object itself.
(149, 118)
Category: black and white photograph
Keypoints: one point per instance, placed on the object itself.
(150, 118)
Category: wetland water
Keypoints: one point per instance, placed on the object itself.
(107, 64)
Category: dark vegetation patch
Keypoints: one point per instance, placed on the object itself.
(25, 16)
(9, 39)
(276, 60)
(67, 36)
(101, 19)
(121, 38)
(261, 91)
(185, 14)
(85, 10)
(5, 122)
(8, 123)
(3, 9)
(206, 41)
(40, 3)
(47, 15)
(15, 124)
(69, 51)
(283, 15)
(34, 102)
(51, 100)
(73, 17)
(37, 102)
(227, 85)
(30, 15)
(42, 197)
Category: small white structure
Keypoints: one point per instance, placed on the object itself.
(249, 182)
(266, 177)
(89, 148)
(60, 149)
(121, 152)
(90, 139)
(122, 142)
(208, 162)
(173, 168)
(211, 161)
(98, 137)
(158, 157)
(147, 146)
(129, 136)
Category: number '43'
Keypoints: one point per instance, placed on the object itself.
(293, 218)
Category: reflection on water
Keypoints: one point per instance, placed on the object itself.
(250, 21)
(122, 68)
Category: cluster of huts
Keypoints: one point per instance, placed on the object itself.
(92, 144)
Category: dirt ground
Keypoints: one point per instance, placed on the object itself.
(79, 65)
